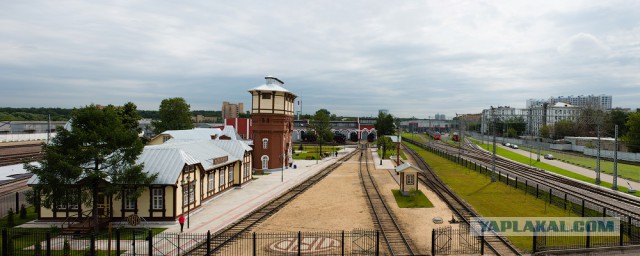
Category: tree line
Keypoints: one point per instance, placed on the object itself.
(64, 114)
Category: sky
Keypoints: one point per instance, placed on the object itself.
(414, 58)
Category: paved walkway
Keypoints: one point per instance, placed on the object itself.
(388, 165)
(217, 213)
(576, 169)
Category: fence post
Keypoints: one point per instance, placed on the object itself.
(377, 242)
(5, 242)
(630, 226)
(433, 242)
(17, 202)
(47, 236)
(93, 245)
(482, 242)
(342, 243)
(507, 179)
(151, 242)
(550, 195)
(588, 236)
(535, 241)
(621, 233)
(117, 241)
(537, 190)
(208, 242)
(516, 182)
(604, 211)
(299, 242)
(565, 201)
(582, 207)
(526, 186)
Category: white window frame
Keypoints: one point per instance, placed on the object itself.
(265, 143)
(221, 174)
(158, 198)
(211, 186)
(230, 174)
(129, 204)
(265, 162)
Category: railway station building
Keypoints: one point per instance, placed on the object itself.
(191, 170)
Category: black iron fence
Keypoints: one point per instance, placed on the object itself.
(574, 203)
(558, 240)
(13, 201)
(450, 241)
(18, 242)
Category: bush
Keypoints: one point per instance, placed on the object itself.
(23, 212)
(10, 221)
(66, 250)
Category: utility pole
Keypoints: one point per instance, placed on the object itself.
(615, 162)
(598, 156)
(493, 160)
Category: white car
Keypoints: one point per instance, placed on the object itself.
(514, 146)
(548, 156)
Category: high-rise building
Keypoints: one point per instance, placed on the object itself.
(272, 119)
(600, 101)
(231, 110)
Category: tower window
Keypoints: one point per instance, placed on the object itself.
(265, 143)
(266, 96)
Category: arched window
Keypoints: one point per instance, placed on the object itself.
(265, 162)
(265, 143)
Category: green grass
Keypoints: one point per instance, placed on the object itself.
(491, 199)
(526, 160)
(416, 199)
(31, 215)
(627, 171)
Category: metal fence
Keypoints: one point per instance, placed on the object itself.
(449, 241)
(13, 201)
(556, 240)
(18, 242)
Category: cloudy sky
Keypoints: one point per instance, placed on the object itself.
(415, 58)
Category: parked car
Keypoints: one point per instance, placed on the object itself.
(548, 156)
(514, 146)
(507, 144)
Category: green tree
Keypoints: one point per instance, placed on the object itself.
(632, 137)
(512, 133)
(564, 128)
(322, 127)
(384, 144)
(384, 124)
(174, 115)
(97, 154)
(613, 118)
(545, 131)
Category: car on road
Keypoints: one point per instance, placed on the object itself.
(514, 146)
(548, 156)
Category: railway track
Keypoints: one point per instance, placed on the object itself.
(496, 243)
(384, 219)
(17, 154)
(228, 235)
(603, 200)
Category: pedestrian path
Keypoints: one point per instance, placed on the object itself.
(388, 165)
(576, 169)
(217, 213)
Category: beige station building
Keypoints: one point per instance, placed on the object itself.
(193, 166)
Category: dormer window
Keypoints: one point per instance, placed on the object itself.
(265, 143)
(266, 96)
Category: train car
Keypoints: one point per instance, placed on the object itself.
(437, 136)
(455, 137)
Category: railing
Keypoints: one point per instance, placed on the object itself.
(144, 242)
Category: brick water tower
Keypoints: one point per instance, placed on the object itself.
(272, 121)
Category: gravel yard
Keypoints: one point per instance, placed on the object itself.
(338, 203)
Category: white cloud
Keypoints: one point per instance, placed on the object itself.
(355, 56)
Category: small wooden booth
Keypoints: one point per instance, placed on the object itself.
(408, 178)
